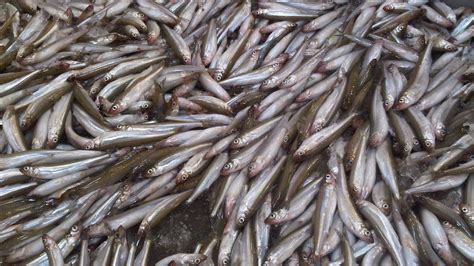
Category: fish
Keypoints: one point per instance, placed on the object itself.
(271, 132)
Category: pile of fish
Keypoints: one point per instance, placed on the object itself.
(320, 132)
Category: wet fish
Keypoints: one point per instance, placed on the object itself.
(318, 133)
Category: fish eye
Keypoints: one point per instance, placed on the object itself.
(225, 261)
(300, 153)
(241, 220)
(367, 232)
(385, 206)
(114, 107)
(251, 167)
(328, 177)
(89, 146)
(446, 223)
(416, 142)
(227, 166)
(428, 143)
(402, 100)
(107, 78)
(449, 47)
(355, 189)
(151, 171)
(464, 209)
(272, 215)
(405, 148)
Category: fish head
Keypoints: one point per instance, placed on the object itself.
(429, 144)
(229, 167)
(366, 234)
(277, 217)
(28, 60)
(242, 218)
(255, 167)
(447, 225)
(117, 108)
(90, 145)
(107, 78)
(239, 142)
(466, 210)
(406, 149)
(48, 242)
(75, 231)
(182, 177)
(384, 206)
(289, 81)
(403, 103)
(355, 190)
(186, 58)
(260, 12)
(52, 140)
(300, 154)
(151, 38)
(269, 83)
(195, 259)
(150, 172)
(388, 102)
(29, 171)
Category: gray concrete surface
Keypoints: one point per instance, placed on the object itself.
(185, 227)
(458, 3)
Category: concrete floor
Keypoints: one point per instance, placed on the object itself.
(185, 227)
(458, 3)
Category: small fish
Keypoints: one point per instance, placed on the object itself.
(317, 132)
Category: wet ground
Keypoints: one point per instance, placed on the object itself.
(185, 227)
